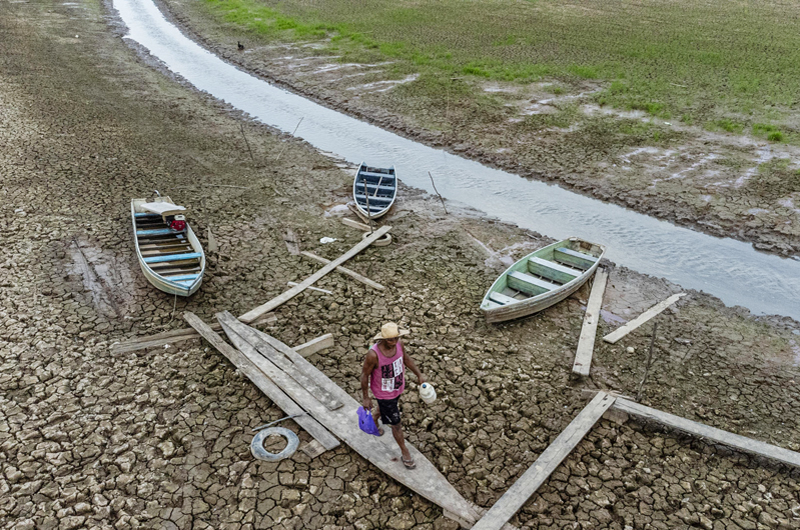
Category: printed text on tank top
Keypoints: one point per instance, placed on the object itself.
(388, 378)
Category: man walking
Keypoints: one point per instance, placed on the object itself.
(384, 373)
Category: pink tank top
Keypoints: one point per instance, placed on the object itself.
(388, 379)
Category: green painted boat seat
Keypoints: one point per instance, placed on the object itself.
(573, 258)
(174, 257)
(551, 270)
(502, 299)
(529, 284)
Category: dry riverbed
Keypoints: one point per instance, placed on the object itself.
(160, 438)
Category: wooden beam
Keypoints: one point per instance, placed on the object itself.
(240, 361)
(250, 316)
(741, 443)
(313, 346)
(344, 270)
(317, 289)
(355, 224)
(381, 451)
(614, 336)
(519, 492)
(583, 355)
(173, 336)
(279, 359)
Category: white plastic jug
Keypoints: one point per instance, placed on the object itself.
(427, 393)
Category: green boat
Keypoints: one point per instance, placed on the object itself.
(541, 279)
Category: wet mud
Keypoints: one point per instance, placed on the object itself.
(160, 438)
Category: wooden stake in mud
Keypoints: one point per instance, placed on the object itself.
(647, 363)
(437, 192)
(247, 144)
(369, 212)
(293, 133)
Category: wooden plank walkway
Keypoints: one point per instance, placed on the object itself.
(253, 314)
(279, 359)
(272, 391)
(583, 355)
(614, 336)
(425, 480)
(730, 439)
(315, 345)
(519, 493)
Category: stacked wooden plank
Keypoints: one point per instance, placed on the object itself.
(295, 385)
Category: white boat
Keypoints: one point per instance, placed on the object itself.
(169, 253)
(541, 279)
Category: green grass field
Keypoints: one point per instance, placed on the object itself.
(729, 66)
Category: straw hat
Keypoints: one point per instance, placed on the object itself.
(390, 331)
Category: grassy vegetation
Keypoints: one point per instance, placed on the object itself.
(698, 60)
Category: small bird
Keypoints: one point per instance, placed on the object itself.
(241, 46)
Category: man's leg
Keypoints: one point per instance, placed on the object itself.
(397, 432)
(376, 415)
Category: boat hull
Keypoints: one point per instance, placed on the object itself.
(376, 185)
(493, 312)
(161, 280)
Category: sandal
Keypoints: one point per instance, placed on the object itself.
(408, 463)
(380, 431)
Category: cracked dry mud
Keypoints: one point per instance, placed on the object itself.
(160, 438)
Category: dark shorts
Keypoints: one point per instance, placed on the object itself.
(390, 410)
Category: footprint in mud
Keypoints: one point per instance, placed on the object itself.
(106, 279)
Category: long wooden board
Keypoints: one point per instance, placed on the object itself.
(730, 439)
(311, 426)
(617, 334)
(315, 345)
(519, 492)
(278, 359)
(382, 451)
(173, 336)
(344, 270)
(583, 355)
(253, 314)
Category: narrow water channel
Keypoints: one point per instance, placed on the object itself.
(726, 268)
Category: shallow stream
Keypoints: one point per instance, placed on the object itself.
(729, 269)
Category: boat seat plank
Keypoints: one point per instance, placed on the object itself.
(177, 257)
(502, 299)
(139, 215)
(158, 267)
(551, 270)
(373, 187)
(372, 198)
(529, 284)
(182, 277)
(192, 268)
(377, 175)
(182, 249)
(156, 232)
(161, 243)
(573, 258)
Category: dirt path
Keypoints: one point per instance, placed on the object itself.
(160, 438)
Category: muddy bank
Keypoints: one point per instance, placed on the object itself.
(160, 438)
(723, 185)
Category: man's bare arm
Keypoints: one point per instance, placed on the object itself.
(366, 372)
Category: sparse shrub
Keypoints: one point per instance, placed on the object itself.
(775, 136)
(728, 125)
